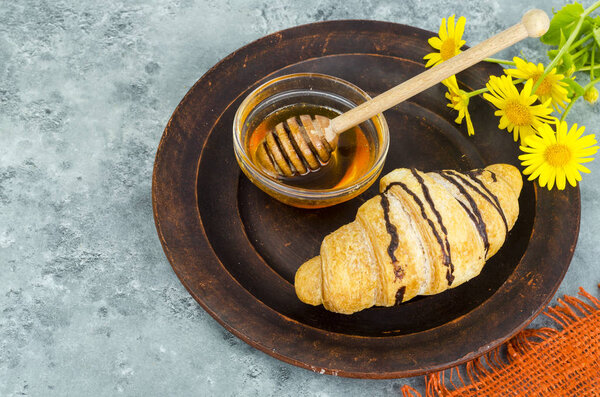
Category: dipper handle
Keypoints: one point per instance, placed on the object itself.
(533, 24)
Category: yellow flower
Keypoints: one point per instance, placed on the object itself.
(517, 112)
(458, 101)
(551, 87)
(449, 42)
(557, 157)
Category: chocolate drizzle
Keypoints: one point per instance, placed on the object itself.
(473, 212)
(495, 203)
(447, 256)
(445, 246)
(400, 294)
(393, 232)
(479, 171)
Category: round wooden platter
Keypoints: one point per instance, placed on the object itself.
(236, 250)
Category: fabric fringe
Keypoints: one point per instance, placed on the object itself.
(408, 391)
(565, 313)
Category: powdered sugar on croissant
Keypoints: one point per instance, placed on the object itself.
(424, 233)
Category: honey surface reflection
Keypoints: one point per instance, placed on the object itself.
(354, 156)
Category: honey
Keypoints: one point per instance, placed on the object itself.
(354, 156)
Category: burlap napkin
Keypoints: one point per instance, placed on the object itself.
(561, 361)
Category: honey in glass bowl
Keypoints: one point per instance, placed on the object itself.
(354, 155)
(354, 165)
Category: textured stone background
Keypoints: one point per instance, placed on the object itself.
(90, 305)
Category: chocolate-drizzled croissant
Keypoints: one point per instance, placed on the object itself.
(424, 233)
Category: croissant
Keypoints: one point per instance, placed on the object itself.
(424, 233)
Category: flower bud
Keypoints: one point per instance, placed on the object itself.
(570, 71)
(591, 94)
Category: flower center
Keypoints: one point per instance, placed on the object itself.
(517, 113)
(448, 49)
(454, 99)
(459, 100)
(545, 88)
(558, 155)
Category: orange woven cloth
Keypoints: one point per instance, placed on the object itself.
(537, 362)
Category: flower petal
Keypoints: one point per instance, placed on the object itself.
(460, 28)
(451, 27)
(570, 174)
(435, 42)
(551, 177)
(443, 33)
(560, 179)
(470, 128)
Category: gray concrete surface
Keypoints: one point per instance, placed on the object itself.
(90, 305)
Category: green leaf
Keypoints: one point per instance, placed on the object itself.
(552, 54)
(586, 27)
(561, 69)
(562, 40)
(582, 60)
(592, 22)
(567, 60)
(564, 20)
(574, 86)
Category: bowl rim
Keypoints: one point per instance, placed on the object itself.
(297, 192)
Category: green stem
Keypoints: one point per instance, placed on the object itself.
(485, 89)
(579, 53)
(581, 41)
(566, 46)
(558, 56)
(592, 63)
(500, 61)
(568, 109)
(591, 84)
(584, 68)
(477, 92)
(589, 10)
(576, 97)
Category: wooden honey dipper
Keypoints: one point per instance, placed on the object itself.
(304, 143)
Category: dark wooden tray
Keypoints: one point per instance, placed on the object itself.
(236, 250)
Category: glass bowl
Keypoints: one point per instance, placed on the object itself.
(314, 89)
